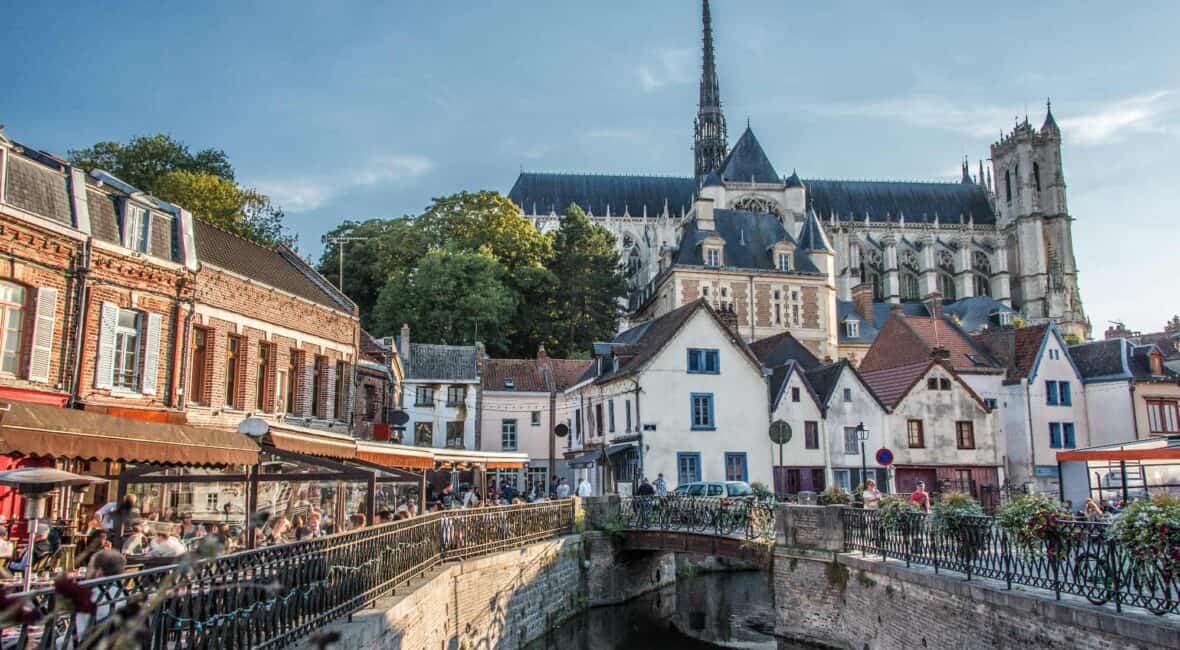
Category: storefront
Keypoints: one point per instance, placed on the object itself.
(1120, 472)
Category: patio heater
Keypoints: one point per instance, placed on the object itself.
(34, 484)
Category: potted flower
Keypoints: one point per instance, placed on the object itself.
(1034, 521)
(958, 517)
(1150, 531)
(896, 510)
(835, 496)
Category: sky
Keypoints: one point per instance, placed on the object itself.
(350, 110)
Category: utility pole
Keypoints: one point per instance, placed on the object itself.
(340, 241)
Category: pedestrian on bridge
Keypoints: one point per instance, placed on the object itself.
(661, 486)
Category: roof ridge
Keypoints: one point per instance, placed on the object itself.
(603, 175)
(273, 249)
(940, 182)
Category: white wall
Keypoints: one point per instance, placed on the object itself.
(939, 411)
(504, 405)
(863, 408)
(1108, 407)
(1013, 414)
(1054, 365)
(795, 452)
(440, 413)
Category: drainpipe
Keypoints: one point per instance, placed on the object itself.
(1032, 434)
(1134, 411)
(639, 420)
(752, 315)
(79, 324)
(180, 397)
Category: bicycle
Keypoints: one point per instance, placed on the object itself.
(1149, 585)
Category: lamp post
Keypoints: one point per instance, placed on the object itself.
(862, 434)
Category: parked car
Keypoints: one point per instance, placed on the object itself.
(732, 489)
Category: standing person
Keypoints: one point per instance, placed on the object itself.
(584, 489)
(645, 489)
(1092, 511)
(447, 498)
(660, 486)
(508, 491)
(563, 489)
(921, 498)
(871, 495)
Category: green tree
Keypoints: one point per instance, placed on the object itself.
(590, 285)
(223, 203)
(383, 248)
(532, 323)
(145, 159)
(451, 296)
(485, 221)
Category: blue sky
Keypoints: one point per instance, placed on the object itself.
(359, 110)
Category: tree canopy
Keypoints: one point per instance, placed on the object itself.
(145, 159)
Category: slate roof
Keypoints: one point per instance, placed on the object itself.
(1015, 349)
(542, 193)
(747, 162)
(650, 337)
(526, 374)
(778, 380)
(1165, 341)
(1140, 363)
(777, 350)
(442, 362)
(973, 313)
(824, 379)
(759, 231)
(275, 267)
(891, 384)
(373, 348)
(1101, 359)
(812, 236)
(888, 200)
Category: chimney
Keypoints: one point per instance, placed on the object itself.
(934, 305)
(940, 353)
(542, 356)
(703, 209)
(862, 301)
(404, 348)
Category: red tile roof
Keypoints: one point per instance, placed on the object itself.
(567, 371)
(526, 375)
(1015, 349)
(905, 340)
(943, 333)
(892, 384)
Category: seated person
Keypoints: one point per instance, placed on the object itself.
(136, 542)
(104, 563)
(6, 547)
(166, 545)
(42, 549)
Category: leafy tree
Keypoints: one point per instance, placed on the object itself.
(145, 159)
(384, 247)
(532, 323)
(223, 203)
(590, 284)
(485, 221)
(452, 296)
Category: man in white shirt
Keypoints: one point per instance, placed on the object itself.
(584, 489)
(166, 545)
(6, 547)
(563, 489)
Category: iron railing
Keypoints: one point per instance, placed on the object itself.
(748, 517)
(275, 596)
(1079, 558)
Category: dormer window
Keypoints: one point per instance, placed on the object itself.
(712, 257)
(136, 221)
(509, 384)
(1005, 318)
(1157, 363)
(852, 328)
(784, 262)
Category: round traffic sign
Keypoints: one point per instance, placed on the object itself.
(884, 457)
(561, 430)
(780, 432)
(399, 417)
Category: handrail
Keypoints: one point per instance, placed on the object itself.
(748, 517)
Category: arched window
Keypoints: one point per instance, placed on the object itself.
(12, 303)
(1037, 176)
(946, 275)
(757, 204)
(1008, 185)
(873, 270)
(981, 273)
(909, 277)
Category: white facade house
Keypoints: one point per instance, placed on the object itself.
(849, 403)
(697, 397)
(802, 463)
(440, 393)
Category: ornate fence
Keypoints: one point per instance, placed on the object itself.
(1081, 560)
(275, 596)
(741, 517)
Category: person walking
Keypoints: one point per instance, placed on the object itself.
(660, 486)
(584, 489)
(645, 489)
(921, 498)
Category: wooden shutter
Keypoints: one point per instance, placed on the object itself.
(329, 400)
(43, 322)
(104, 367)
(151, 354)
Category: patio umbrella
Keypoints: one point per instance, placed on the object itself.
(34, 484)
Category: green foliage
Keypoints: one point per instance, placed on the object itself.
(590, 284)
(487, 222)
(1019, 321)
(894, 509)
(383, 248)
(953, 509)
(835, 496)
(1072, 339)
(145, 159)
(1033, 519)
(616, 528)
(760, 490)
(1150, 530)
(454, 297)
(221, 202)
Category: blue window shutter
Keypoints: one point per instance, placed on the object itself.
(1055, 435)
(1051, 393)
(709, 408)
(1066, 398)
(1067, 430)
(713, 361)
(693, 361)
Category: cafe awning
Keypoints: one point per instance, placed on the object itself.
(312, 441)
(588, 459)
(391, 455)
(41, 430)
(489, 459)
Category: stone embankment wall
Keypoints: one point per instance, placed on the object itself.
(843, 600)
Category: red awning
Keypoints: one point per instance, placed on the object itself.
(1155, 453)
(33, 396)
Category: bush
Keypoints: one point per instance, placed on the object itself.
(760, 490)
(894, 509)
(953, 509)
(1035, 519)
(1150, 529)
(835, 496)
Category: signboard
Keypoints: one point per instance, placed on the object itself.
(780, 432)
(561, 430)
(399, 418)
(884, 457)
(1045, 471)
(649, 427)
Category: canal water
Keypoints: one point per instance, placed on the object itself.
(714, 610)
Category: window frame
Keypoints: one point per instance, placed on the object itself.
(695, 458)
(121, 350)
(713, 257)
(811, 434)
(1054, 435)
(1069, 435)
(198, 374)
(784, 262)
(424, 396)
(742, 464)
(265, 363)
(234, 367)
(1051, 394)
(710, 411)
(795, 394)
(7, 308)
(847, 393)
(459, 391)
(967, 442)
(699, 359)
(854, 439)
(1162, 412)
(1064, 394)
(912, 426)
(610, 416)
(340, 392)
(535, 418)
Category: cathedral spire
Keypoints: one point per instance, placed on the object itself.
(710, 140)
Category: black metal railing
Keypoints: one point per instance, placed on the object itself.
(1078, 558)
(275, 596)
(748, 517)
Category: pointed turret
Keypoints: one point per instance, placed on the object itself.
(1050, 126)
(812, 237)
(966, 180)
(793, 180)
(710, 138)
(747, 162)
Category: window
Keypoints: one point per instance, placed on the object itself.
(784, 262)
(777, 307)
(915, 436)
(342, 380)
(735, 466)
(796, 309)
(851, 441)
(233, 370)
(1067, 432)
(852, 328)
(909, 287)
(702, 411)
(265, 367)
(811, 434)
(424, 434)
(456, 395)
(704, 361)
(535, 475)
(932, 383)
(1052, 396)
(610, 414)
(1162, 415)
(578, 423)
(12, 300)
(712, 257)
(688, 467)
(1008, 186)
(535, 418)
(843, 478)
(794, 393)
(944, 383)
(1037, 176)
(598, 419)
(319, 381)
(965, 434)
(989, 403)
(371, 402)
(1055, 435)
(1063, 393)
(455, 433)
(424, 396)
(198, 391)
(847, 394)
(627, 409)
(126, 375)
(135, 227)
(211, 501)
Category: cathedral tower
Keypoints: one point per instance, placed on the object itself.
(1035, 224)
(709, 142)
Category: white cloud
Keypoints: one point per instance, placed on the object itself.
(670, 67)
(301, 194)
(1087, 124)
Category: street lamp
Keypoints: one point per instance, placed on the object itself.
(862, 434)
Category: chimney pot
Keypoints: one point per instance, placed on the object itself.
(862, 301)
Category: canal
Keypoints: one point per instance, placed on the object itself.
(714, 610)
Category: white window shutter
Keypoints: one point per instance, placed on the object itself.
(104, 367)
(307, 388)
(330, 402)
(151, 354)
(43, 322)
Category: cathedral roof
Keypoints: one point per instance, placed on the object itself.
(747, 162)
(748, 236)
(542, 193)
(812, 237)
(793, 179)
(888, 200)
